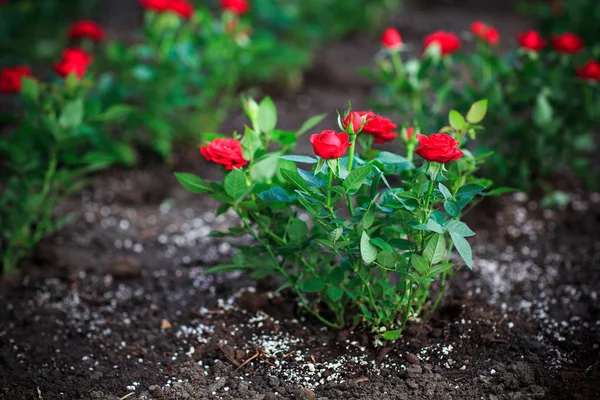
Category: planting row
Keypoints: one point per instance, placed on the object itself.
(107, 99)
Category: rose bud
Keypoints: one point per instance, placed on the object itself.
(531, 40)
(439, 147)
(391, 39)
(448, 42)
(478, 28)
(10, 78)
(408, 134)
(485, 32)
(86, 30)
(330, 144)
(567, 43)
(357, 119)
(590, 71)
(238, 7)
(73, 61)
(227, 152)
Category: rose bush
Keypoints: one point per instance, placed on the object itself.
(549, 90)
(353, 248)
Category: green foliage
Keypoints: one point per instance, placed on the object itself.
(369, 252)
(50, 147)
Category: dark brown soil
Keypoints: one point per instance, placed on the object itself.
(118, 304)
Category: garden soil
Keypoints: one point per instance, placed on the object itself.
(118, 305)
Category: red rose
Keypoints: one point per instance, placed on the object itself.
(10, 78)
(492, 36)
(478, 28)
(86, 29)
(391, 39)
(485, 32)
(590, 71)
(448, 42)
(410, 131)
(330, 144)
(567, 43)
(155, 5)
(227, 152)
(379, 127)
(439, 147)
(182, 7)
(531, 40)
(73, 61)
(238, 7)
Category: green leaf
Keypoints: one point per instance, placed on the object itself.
(477, 111)
(452, 208)
(336, 276)
(368, 251)
(387, 259)
(500, 190)
(457, 121)
(310, 123)
(470, 190)
(335, 234)
(400, 163)
(115, 112)
(298, 230)
(293, 177)
(445, 192)
(312, 285)
(30, 89)
(192, 183)
(265, 168)
(356, 178)
(276, 193)
(72, 114)
(250, 143)
(439, 268)
(435, 249)
(300, 159)
(267, 115)
(391, 335)
(459, 228)
(542, 113)
(236, 185)
(335, 293)
(463, 248)
(420, 264)
(368, 218)
(433, 226)
(382, 244)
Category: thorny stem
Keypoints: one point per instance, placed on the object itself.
(443, 285)
(350, 160)
(368, 285)
(285, 274)
(408, 307)
(329, 182)
(397, 63)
